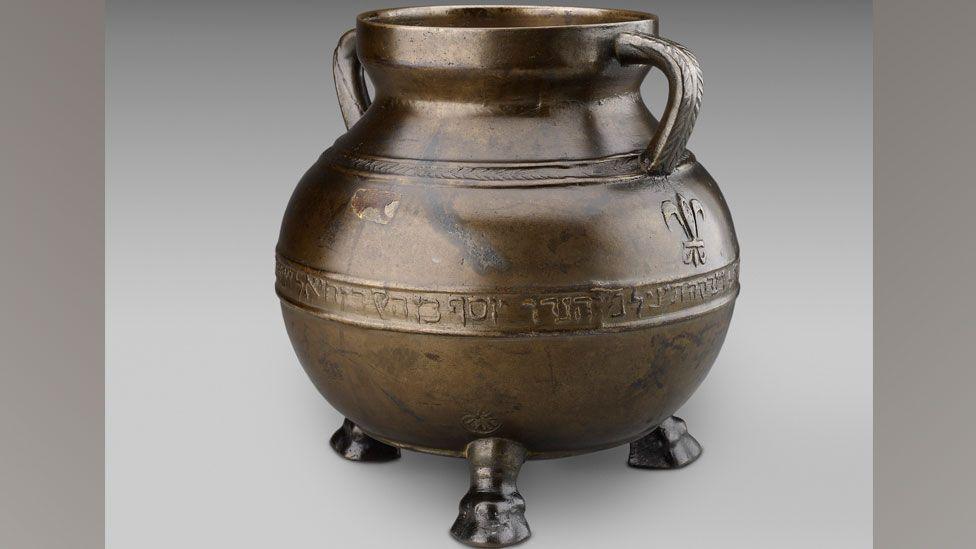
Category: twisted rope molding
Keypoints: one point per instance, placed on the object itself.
(614, 167)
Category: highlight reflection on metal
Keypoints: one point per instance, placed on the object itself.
(487, 266)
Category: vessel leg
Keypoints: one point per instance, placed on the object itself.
(492, 513)
(353, 444)
(669, 446)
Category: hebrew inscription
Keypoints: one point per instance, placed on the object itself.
(375, 304)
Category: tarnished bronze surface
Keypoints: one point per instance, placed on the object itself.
(506, 245)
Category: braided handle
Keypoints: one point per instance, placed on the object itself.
(350, 80)
(667, 148)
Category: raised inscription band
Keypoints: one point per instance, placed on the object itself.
(605, 308)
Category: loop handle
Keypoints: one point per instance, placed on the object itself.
(350, 80)
(667, 147)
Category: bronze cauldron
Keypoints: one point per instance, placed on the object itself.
(507, 257)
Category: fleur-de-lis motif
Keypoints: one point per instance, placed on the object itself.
(689, 215)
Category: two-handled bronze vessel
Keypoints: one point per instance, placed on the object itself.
(507, 257)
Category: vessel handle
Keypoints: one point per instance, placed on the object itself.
(667, 147)
(350, 79)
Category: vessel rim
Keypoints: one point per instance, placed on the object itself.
(388, 17)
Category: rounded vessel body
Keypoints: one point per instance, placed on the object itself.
(490, 252)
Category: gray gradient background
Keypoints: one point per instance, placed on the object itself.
(215, 438)
(51, 275)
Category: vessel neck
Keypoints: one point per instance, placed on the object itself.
(500, 83)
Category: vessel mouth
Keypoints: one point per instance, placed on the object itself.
(495, 17)
(483, 51)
